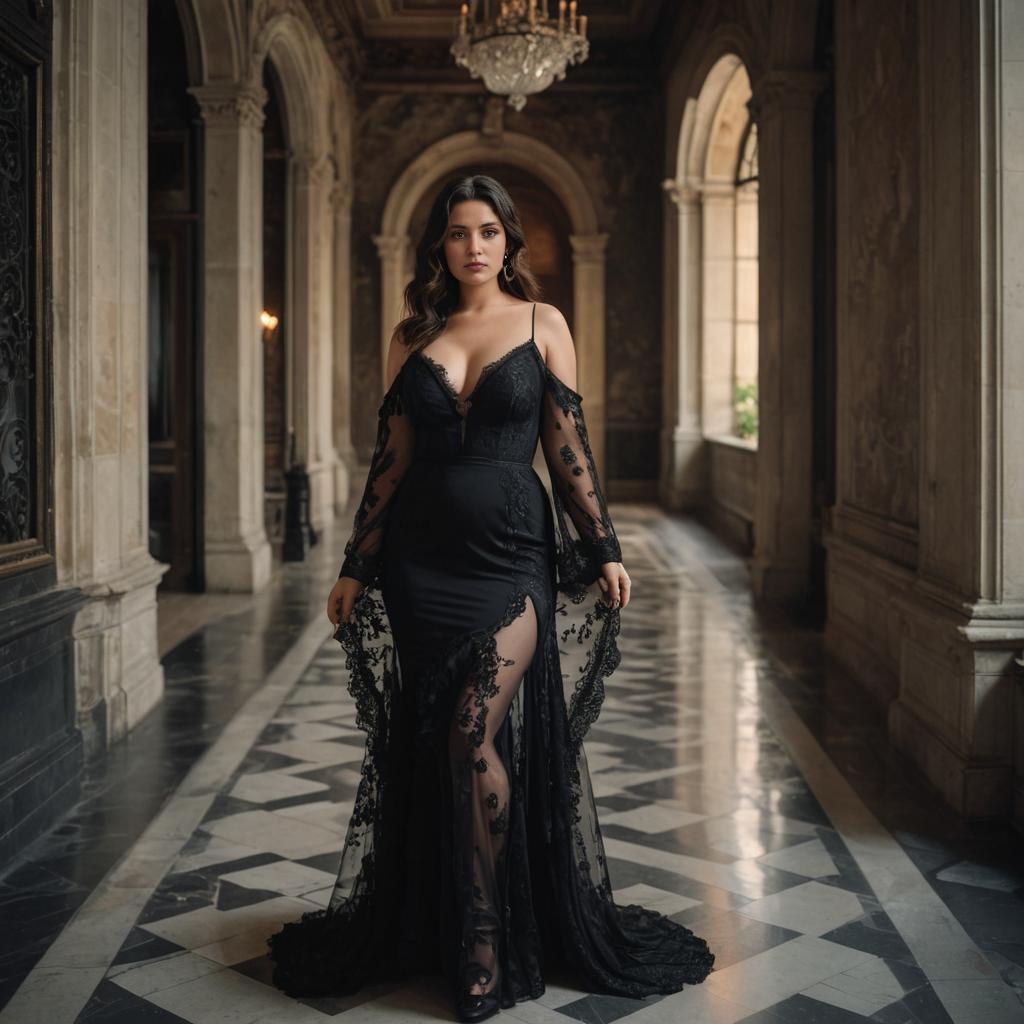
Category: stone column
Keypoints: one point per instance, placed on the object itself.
(237, 554)
(341, 336)
(394, 252)
(782, 105)
(683, 481)
(589, 335)
(100, 355)
(310, 312)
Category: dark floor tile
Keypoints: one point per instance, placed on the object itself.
(604, 1009)
(874, 933)
(111, 1004)
(800, 1009)
(626, 873)
(922, 1006)
(142, 945)
(230, 896)
(733, 937)
(224, 806)
(329, 862)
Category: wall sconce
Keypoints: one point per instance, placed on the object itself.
(269, 322)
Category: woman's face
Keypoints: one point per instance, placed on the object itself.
(475, 242)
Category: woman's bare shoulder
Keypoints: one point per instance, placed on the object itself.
(398, 353)
(551, 331)
(554, 341)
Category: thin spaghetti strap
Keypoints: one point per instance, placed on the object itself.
(533, 320)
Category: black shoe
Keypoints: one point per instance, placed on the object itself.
(470, 1007)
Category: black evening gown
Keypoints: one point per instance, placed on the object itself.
(477, 654)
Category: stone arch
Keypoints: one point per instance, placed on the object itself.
(231, 41)
(778, 53)
(716, 341)
(297, 54)
(423, 174)
(285, 35)
(216, 50)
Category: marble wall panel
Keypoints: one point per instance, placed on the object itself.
(877, 113)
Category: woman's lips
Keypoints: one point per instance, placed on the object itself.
(475, 266)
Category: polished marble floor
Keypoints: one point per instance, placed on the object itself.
(744, 786)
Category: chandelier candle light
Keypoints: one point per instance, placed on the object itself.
(522, 49)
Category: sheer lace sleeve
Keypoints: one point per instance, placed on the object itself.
(585, 533)
(392, 457)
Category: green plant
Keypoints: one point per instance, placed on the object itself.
(745, 406)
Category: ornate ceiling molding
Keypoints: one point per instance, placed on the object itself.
(392, 44)
(435, 19)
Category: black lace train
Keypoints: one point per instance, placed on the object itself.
(477, 654)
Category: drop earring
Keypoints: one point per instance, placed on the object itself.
(506, 267)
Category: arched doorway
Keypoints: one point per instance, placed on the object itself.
(175, 260)
(276, 375)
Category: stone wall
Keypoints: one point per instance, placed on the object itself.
(878, 216)
(878, 323)
(924, 561)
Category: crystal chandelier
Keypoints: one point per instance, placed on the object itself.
(522, 50)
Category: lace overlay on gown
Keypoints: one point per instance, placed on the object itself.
(477, 655)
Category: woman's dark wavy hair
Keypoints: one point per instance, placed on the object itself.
(434, 290)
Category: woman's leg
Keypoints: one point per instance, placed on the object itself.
(481, 797)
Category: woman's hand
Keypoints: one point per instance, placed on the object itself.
(614, 581)
(341, 599)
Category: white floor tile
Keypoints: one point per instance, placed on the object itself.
(979, 1002)
(982, 876)
(695, 1004)
(811, 908)
(864, 989)
(651, 818)
(311, 712)
(271, 833)
(652, 898)
(810, 859)
(324, 753)
(200, 927)
(265, 787)
(281, 876)
(778, 973)
(152, 975)
(217, 851)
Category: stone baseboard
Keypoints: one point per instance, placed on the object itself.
(118, 674)
(974, 789)
(241, 565)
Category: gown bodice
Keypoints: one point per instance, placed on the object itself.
(500, 418)
(516, 401)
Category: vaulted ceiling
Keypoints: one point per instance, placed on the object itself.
(389, 43)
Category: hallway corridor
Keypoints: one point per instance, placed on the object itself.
(744, 788)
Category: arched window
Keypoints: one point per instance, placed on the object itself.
(745, 305)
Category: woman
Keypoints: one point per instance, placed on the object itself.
(479, 625)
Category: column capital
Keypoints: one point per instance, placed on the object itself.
(680, 192)
(390, 247)
(230, 104)
(340, 196)
(313, 168)
(589, 248)
(781, 89)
